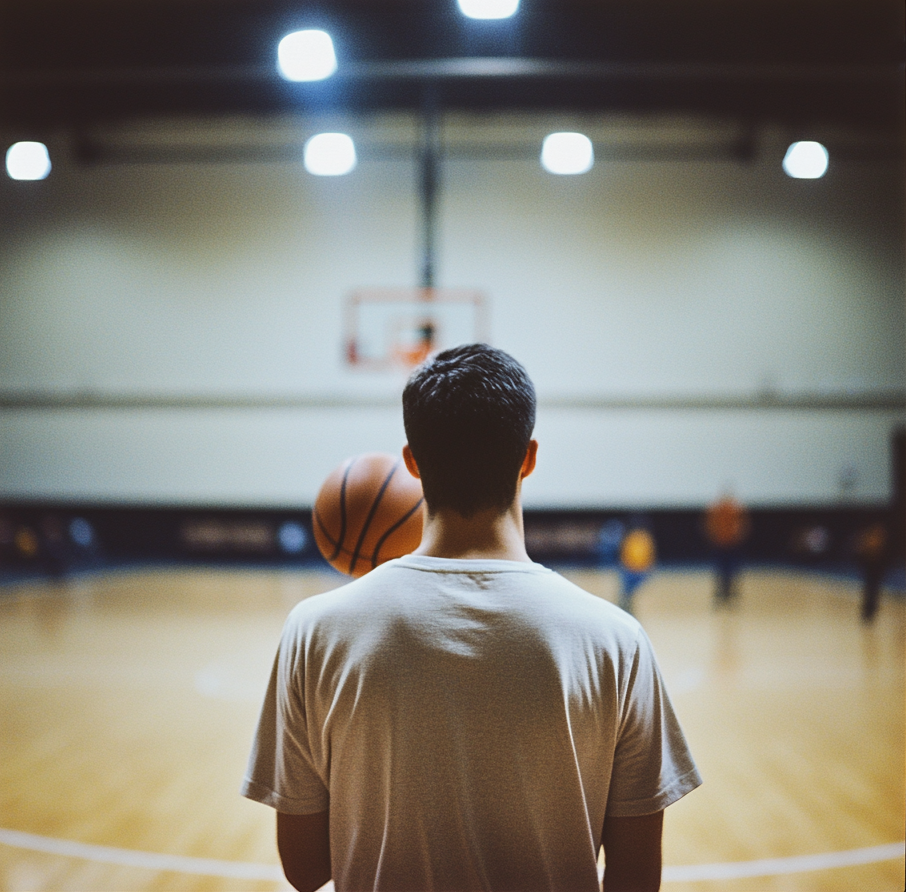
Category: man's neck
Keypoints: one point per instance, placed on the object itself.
(487, 535)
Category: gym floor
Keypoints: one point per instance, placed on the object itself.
(128, 702)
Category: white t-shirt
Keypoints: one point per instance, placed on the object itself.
(468, 724)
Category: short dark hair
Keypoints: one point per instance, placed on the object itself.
(469, 414)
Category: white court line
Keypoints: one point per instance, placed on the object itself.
(244, 871)
(130, 858)
(733, 870)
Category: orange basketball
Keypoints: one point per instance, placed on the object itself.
(368, 511)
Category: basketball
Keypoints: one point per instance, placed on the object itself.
(369, 510)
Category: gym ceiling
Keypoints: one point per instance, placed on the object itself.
(797, 63)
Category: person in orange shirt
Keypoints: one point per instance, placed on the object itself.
(727, 527)
(871, 555)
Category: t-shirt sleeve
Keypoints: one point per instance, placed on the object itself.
(652, 766)
(281, 771)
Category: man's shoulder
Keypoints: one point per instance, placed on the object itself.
(330, 601)
(413, 587)
(354, 598)
(566, 599)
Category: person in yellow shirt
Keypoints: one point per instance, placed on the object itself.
(637, 557)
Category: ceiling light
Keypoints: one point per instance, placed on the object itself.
(27, 161)
(488, 9)
(306, 56)
(329, 155)
(805, 160)
(567, 153)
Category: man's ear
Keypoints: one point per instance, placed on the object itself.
(409, 459)
(528, 463)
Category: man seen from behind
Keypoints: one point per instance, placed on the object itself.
(462, 718)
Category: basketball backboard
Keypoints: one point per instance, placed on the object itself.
(397, 328)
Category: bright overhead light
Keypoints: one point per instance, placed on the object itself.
(27, 161)
(329, 155)
(567, 153)
(805, 160)
(306, 56)
(488, 9)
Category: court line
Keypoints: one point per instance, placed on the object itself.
(246, 871)
(131, 858)
(733, 870)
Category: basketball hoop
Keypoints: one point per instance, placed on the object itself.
(399, 328)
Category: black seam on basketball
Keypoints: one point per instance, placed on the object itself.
(371, 513)
(345, 553)
(323, 529)
(396, 526)
(339, 543)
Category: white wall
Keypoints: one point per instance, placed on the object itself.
(656, 282)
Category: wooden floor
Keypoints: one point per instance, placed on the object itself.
(128, 701)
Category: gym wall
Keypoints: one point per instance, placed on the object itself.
(171, 333)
